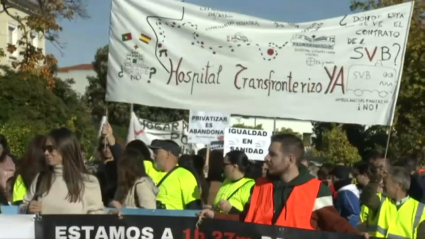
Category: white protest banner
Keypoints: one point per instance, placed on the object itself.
(147, 131)
(178, 55)
(255, 143)
(17, 226)
(205, 127)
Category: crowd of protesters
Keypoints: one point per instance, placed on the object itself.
(55, 177)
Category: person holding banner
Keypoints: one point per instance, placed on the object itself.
(234, 193)
(289, 196)
(178, 188)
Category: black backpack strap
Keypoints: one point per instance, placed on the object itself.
(231, 195)
(37, 186)
(166, 176)
(136, 197)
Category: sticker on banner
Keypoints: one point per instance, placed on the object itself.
(254, 143)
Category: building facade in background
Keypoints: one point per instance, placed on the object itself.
(9, 31)
(79, 73)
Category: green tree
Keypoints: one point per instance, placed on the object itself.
(243, 126)
(119, 113)
(284, 130)
(336, 147)
(29, 107)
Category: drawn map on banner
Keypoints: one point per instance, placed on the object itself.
(147, 131)
(178, 55)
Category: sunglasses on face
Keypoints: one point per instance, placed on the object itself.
(49, 148)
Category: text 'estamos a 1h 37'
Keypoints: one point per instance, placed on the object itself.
(111, 232)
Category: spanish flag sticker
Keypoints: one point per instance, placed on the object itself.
(145, 38)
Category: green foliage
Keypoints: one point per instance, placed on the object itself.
(284, 130)
(243, 126)
(335, 147)
(29, 108)
(365, 139)
(119, 113)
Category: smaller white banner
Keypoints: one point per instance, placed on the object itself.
(17, 227)
(147, 131)
(205, 127)
(255, 143)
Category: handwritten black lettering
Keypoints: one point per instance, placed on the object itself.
(378, 33)
(377, 24)
(364, 18)
(395, 15)
(385, 53)
(313, 27)
(357, 50)
(398, 24)
(352, 41)
(361, 75)
(342, 22)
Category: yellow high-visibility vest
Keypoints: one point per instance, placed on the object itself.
(19, 190)
(364, 213)
(397, 223)
(236, 193)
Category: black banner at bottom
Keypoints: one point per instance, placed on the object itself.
(162, 227)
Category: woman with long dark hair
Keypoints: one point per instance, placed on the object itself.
(135, 188)
(32, 163)
(7, 169)
(65, 187)
(235, 191)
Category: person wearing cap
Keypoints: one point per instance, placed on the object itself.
(178, 188)
(348, 200)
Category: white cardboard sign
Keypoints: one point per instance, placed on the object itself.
(205, 127)
(147, 131)
(255, 143)
(178, 55)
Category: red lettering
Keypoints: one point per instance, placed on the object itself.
(217, 235)
(187, 233)
(334, 80)
(373, 54)
(229, 235)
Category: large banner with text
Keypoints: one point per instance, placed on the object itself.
(178, 55)
(152, 227)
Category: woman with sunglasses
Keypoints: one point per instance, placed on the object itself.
(235, 191)
(65, 187)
